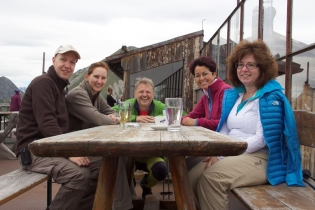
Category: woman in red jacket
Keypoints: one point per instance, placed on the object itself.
(207, 112)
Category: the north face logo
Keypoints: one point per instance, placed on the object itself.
(275, 103)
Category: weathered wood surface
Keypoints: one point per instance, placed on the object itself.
(269, 197)
(305, 122)
(4, 150)
(106, 184)
(116, 141)
(17, 182)
(152, 202)
(164, 204)
(182, 190)
(12, 124)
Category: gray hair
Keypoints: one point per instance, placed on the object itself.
(144, 80)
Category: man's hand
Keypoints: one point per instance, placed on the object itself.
(145, 119)
(211, 161)
(188, 121)
(80, 161)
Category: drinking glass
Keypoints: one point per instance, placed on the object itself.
(174, 110)
(124, 112)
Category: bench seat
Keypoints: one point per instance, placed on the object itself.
(19, 181)
(276, 197)
(281, 196)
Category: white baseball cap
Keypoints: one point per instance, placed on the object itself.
(66, 48)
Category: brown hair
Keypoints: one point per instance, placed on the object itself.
(109, 89)
(203, 61)
(267, 64)
(95, 65)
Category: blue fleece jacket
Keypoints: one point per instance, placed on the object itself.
(279, 130)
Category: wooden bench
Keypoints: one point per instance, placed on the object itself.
(281, 196)
(19, 181)
(3, 135)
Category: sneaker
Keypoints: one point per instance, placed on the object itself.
(145, 190)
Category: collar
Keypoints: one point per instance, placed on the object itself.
(86, 86)
(210, 87)
(60, 82)
(138, 110)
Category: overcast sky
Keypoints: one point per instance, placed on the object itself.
(96, 28)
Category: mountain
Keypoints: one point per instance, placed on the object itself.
(7, 88)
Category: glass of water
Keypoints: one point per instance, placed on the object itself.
(174, 110)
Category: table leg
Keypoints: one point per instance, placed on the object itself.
(106, 184)
(182, 189)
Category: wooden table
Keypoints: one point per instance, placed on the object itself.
(3, 116)
(111, 142)
(7, 130)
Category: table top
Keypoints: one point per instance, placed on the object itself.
(6, 113)
(113, 140)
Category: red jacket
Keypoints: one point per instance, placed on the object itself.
(205, 117)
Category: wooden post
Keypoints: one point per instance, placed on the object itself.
(183, 192)
(106, 184)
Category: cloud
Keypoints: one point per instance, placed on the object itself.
(96, 28)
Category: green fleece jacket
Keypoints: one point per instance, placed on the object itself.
(156, 108)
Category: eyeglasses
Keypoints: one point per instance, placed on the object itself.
(249, 66)
(204, 74)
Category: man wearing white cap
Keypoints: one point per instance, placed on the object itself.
(43, 113)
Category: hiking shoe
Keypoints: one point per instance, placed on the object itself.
(145, 190)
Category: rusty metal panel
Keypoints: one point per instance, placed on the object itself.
(184, 48)
(192, 51)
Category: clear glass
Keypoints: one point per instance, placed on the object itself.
(302, 24)
(251, 20)
(221, 64)
(281, 72)
(275, 15)
(124, 109)
(234, 29)
(174, 110)
(214, 43)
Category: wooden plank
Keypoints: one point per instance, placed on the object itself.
(152, 202)
(257, 198)
(164, 204)
(276, 197)
(141, 142)
(8, 129)
(4, 150)
(305, 122)
(181, 185)
(17, 182)
(106, 184)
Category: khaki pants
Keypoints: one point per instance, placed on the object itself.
(211, 186)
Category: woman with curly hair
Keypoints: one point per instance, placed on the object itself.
(256, 111)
